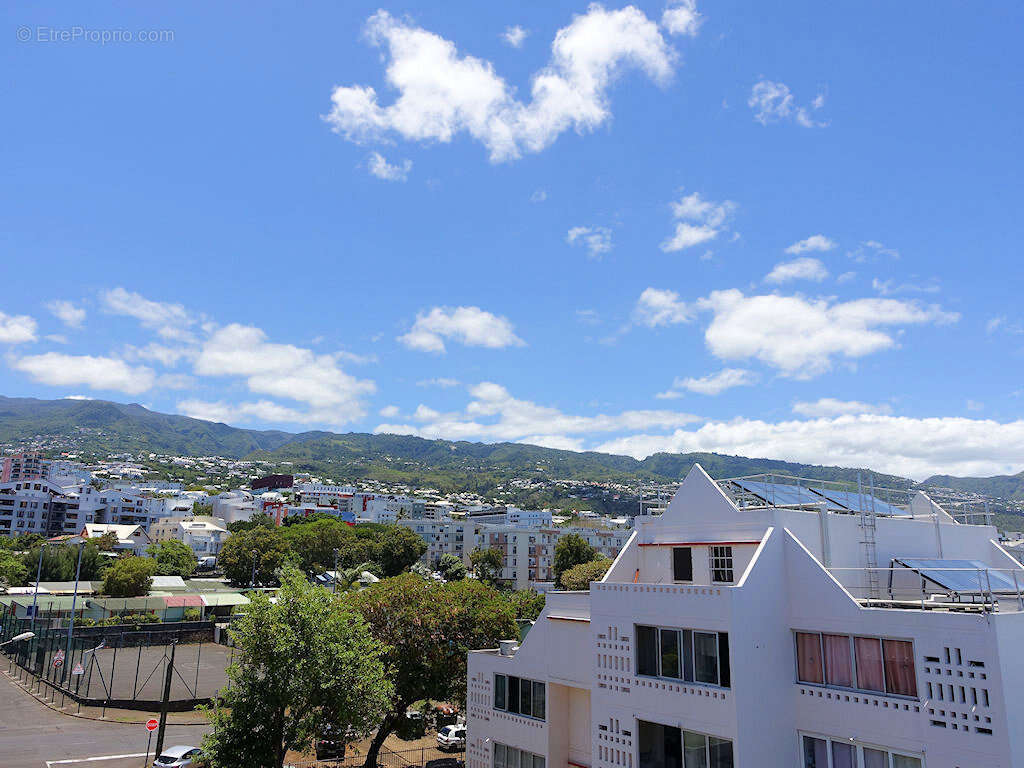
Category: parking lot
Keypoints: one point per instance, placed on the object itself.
(35, 736)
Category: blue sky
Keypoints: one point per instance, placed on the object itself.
(786, 230)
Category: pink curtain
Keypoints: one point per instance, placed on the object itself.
(900, 676)
(808, 655)
(838, 664)
(869, 663)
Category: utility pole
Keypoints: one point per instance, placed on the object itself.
(335, 579)
(164, 699)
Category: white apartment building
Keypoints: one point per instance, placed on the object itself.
(233, 506)
(204, 535)
(757, 624)
(513, 516)
(455, 537)
(130, 538)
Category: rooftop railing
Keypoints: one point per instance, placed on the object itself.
(979, 590)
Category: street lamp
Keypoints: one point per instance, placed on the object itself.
(252, 581)
(18, 638)
(334, 585)
(80, 542)
(35, 594)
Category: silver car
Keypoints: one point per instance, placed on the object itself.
(180, 756)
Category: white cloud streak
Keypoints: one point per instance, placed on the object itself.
(168, 319)
(812, 243)
(514, 36)
(698, 221)
(773, 102)
(378, 166)
(658, 307)
(681, 18)
(67, 313)
(714, 383)
(105, 373)
(442, 93)
(804, 268)
(17, 329)
(597, 240)
(470, 326)
(829, 407)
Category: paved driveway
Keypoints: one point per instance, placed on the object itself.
(34, 736)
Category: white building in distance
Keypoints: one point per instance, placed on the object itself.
(764, 624)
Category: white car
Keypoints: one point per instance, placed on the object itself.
(452, 737)
(180, 756)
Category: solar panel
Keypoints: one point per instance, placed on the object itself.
(853, 501)
(778, 494)
(965, 576)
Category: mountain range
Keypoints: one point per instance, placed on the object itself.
(104, 426)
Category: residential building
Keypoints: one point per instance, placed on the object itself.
(759, 623)
(512, 516)
(204, 535)
(132, 539)
(27, 465)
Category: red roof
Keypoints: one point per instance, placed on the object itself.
(184, 601)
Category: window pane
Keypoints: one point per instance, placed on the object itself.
(499, 755)
(843, 755)
(539, 707)
(875, 758)
(538, 761)
(900, 677)
(659, 746)
(526, 697)
(808, 658)
(724, 678)
(869, 663)
(669, 653)
(721, 752)
(902, 761)
(646, 651)
(815, 752)
(687, 655)
(512, 758)
(499, 692)
(682, 564)
(705, 657)
(838, 665)
(513, 694)
(695, 750)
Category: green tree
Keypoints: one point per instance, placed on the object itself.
(266, 547)
(305, 663)
(487, 563)
(59, 562)
(129, 577)
(106, 542)
(451, 567)
(427, 628)
(578, 577)
(571, 550)
(258, 520)
(173, 558)
(397, 549)
(200, 509)
(527, 604)
(13, 572)
(314, 544)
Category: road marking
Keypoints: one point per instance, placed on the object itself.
(50, 763)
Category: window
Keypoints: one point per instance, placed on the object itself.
(520, 696)
(721, 564)
(510, 757)
(663, 746)
(822, 752)
(683, 654)
(864, 663)
(682, 564)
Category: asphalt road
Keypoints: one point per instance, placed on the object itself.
(34, 736)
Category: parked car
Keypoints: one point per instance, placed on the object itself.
(445, 762)
(180, 756)
(452, 737)
(330, 744)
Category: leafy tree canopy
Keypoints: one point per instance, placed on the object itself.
(451, 567)
(578, 577)
(304, 663)
(59, 562)
(259, 520)
(266, 547)
(129, 577)
(569, 551)
(173, 558)
(486, 563)
(527, 604)
(398, 548)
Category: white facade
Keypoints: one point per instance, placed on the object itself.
(130, 538)
(756, 637)
(204, 535)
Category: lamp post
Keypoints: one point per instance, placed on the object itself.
(18, 638)
(334, 581)
(80, 541)
(35, 594)
(252, 581)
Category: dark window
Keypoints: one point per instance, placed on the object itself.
(688, 655)
(682, 564)
(513, 694)
(705, 657)
(526, 697)
(670, 653)
(724, 678)
(647, 651)
(663, 746)
(500, 702)
(538, 700)
(520, 696)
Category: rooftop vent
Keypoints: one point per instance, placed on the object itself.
(508, 647)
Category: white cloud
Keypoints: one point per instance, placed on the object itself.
(872, 250)
(829, 407)
(282, 370)
(657, 307)
(812, 243)
(597, 240)
(260, 410)
(17, 329)
(912, 447)
(471, 326)
(681, 18)
(57, 338)
(538, 196)
(170, 320)
(773, 102)
(441, 381)
(846, 277)
(697, 221)
(108, 373)
(161, 353)
(493, 414)
(441, 93)
(67, 313)
(800, 336)
(389, 411)
(378, 165)
(890, 287)
(804, 268)
(715, 383)
(514, 36)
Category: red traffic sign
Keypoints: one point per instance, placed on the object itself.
(152, 724)
(58, 659)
